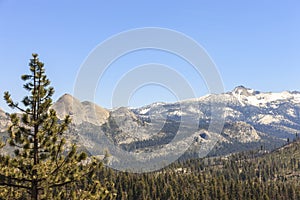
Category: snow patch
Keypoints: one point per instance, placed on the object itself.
(177, 112)
(268, 119)
(291, 112)
(144, 111)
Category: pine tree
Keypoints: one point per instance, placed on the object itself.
(44, 165)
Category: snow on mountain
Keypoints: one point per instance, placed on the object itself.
(268, 119)
(250, 97)
(251, 118)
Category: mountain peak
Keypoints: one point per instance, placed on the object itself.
(68, 99)
(2, 113)
(242, 90)
(80, 111)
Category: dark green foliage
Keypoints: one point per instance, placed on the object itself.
(45, 166)
(248, 175)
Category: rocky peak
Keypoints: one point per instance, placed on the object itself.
(68, 100)
(241, 90)
(4, 121)
(2, 113)
(80, 111)
(124, 113)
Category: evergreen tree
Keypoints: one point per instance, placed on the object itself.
(44, 165)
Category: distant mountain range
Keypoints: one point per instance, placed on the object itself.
(252, 120)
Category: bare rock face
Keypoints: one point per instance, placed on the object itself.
(4, 121)
(241, 132)
(251, 118)
(2, 113)
(80, 111)
(241, 90)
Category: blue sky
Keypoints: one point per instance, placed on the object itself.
(253, 43)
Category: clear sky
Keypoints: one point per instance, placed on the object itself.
(253, 43)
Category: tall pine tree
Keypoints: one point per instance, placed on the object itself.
(42, 167)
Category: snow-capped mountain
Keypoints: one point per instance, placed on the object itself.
(241, 104)
(251, 119)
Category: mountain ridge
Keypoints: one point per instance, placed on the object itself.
(252, 119)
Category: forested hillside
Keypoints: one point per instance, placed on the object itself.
(250, 175)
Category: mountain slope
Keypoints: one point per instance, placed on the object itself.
(4, 121)
(80, 111)
(246, 175)
(251, 119)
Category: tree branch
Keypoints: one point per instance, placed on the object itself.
(21, 109)
(14, 185)
(13, 178)
(61, 184)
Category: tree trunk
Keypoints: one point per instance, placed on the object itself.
(34, 190)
